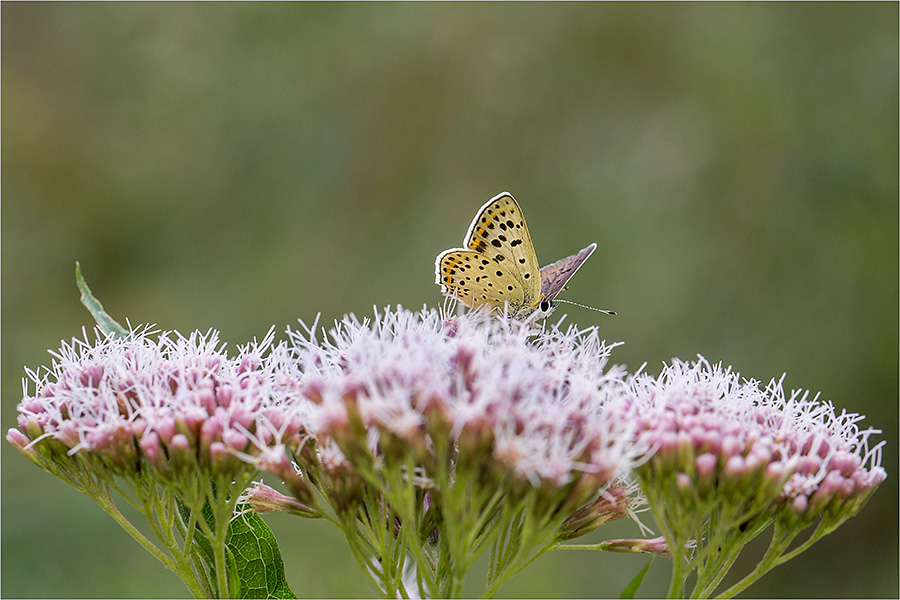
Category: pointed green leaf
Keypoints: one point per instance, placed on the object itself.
(632, 587)
(107, 324)
(255, 567)
(257, 558)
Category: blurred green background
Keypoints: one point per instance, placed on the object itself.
(240, 165)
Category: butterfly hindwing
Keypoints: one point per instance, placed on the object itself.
(476, 280)
(499, 231)
(554, 277)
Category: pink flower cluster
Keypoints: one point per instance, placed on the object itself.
(179, 405)
(509, 405)
(715, 441)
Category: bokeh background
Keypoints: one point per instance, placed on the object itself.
(236, 166)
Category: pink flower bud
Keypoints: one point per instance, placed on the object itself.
(235, 440)
(67, 433)
(265, 499)
(706, 465)
(180, 456)
(210, 431)
(242, 417)
(845, 463)
(206, 397)
(165, 428)
(18, 439)
(152, 449)
(799, 504)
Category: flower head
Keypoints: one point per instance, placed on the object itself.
(717, 437)
(728, 458)
(507, 398)
(176, 405)
(455, 420)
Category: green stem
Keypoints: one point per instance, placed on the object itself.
(676, 584)
(362, 559)
(221, 560)
(499, 581)
(723, 564)
(559, 546)
(178, 567)
(770, 560)
(531, 533)
(775, 555)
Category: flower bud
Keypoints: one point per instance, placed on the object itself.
(656, 545)
(263, 498)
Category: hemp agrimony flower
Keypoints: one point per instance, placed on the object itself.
(728, 459)
(438, 438)
(162, 420)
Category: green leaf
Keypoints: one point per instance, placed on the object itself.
(257, 558)
(632, 587)
(255, 567)
(107, 324)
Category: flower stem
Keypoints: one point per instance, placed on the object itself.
(180, 568)
(774, 556)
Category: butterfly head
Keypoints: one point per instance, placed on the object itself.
(545, 307)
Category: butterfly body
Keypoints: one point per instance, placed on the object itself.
(498, 266)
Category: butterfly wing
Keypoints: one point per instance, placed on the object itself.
(477, 279)
(554, 277)
(499, 232)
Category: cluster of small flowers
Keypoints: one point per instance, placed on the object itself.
(721, 444)
(504, 399)
(454, 422)
(125, 403)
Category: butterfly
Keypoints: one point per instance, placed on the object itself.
(498, 266)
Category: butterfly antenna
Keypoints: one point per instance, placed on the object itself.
(605, 312)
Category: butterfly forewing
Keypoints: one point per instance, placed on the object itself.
(500, 233)
(477, 280)
(554, 277)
